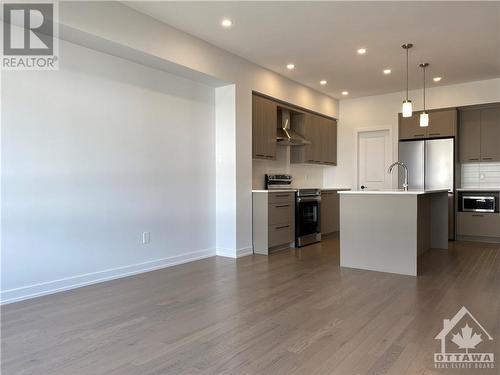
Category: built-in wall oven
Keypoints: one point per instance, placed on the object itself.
(478, 201)
(307, 217)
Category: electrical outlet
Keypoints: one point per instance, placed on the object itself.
(146, 236)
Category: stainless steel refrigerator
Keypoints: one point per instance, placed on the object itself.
(431, 165)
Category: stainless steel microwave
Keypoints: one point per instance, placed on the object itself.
(478, 203)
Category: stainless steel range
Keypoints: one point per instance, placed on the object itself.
(307, 216)
(307, 209)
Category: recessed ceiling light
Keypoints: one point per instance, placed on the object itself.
(387, 71)
(361, 51)
(345, 93)
(437, 79)
(226, 22)
(290, 66)
(323, 82)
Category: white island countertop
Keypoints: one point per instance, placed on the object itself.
(335, 188)
(393, 191)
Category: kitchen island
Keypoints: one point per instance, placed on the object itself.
(386, 230)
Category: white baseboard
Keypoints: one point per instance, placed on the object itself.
(50, 287)
(244, 251)
(228, 253)
(234, 253)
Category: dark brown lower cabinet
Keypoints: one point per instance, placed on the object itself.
(273, 221)
(475, 224)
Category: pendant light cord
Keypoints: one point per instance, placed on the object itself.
(424, 89)
(407, 73)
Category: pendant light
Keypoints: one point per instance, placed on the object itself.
(407, 106)
(424, 116)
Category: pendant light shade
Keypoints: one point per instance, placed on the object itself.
(424, 116)
(424, 119)
(407, 106)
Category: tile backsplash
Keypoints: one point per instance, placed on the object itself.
(481, 175)
(304, 175)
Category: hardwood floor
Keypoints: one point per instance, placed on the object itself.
(294, 312)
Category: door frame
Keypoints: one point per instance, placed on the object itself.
(393, 151)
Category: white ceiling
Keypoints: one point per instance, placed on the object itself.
(460, 40)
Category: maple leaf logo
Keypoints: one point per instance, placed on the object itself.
(466, 340)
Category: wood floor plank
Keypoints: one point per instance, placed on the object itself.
(294, 312)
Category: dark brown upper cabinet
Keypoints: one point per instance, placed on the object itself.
(264, 124)
(442, 123)
(490, 134)
(320, 130)
(469, 136)
(479, 135)
(322, 133)
(409, 127)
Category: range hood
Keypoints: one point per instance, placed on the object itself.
(286, 136)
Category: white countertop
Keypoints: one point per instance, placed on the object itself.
(295, 189)
(394, 191)
(478, 189)
(274, 191)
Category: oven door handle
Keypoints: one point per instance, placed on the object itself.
(308, 199)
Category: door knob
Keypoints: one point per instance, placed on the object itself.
(363, 187)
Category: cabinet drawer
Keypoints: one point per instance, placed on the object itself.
(281, 234)
(478, 224)
(281, 213)
(282, 197)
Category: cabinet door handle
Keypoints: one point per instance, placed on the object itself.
(473, 158)
(283, 206)
(487, 158)
(269, 156)
(418, 135)
(478, 215)
(283, 227)
(282, 195)
(435, 134)
(262, 155)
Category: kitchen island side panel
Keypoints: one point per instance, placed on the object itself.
(379, 232)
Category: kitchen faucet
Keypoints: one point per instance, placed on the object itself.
(398, 163)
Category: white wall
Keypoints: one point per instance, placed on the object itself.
(225, 98)
(93, 155)
(382, 111)
(125, 27)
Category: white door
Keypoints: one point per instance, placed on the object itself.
(374, 157)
